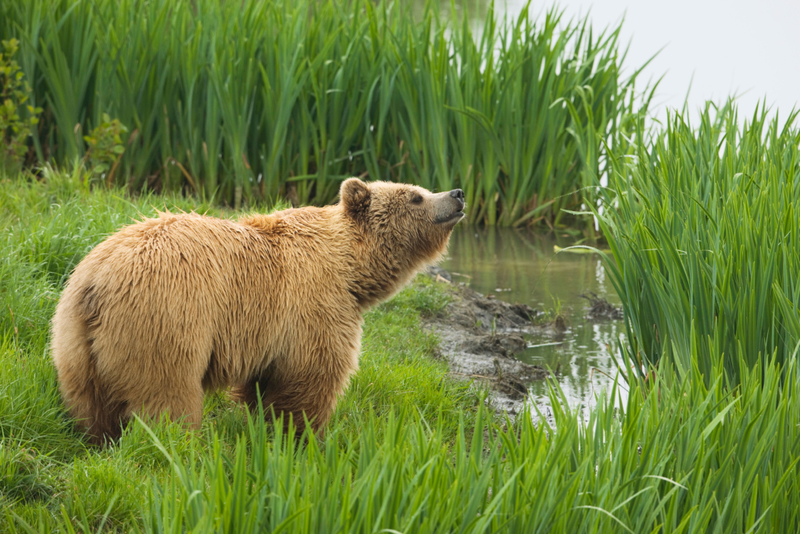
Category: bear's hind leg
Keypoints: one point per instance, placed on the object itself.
(165, 375)
(94, 412)
(85, 394)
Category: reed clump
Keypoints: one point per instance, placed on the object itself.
(704, 230)
(255, 100)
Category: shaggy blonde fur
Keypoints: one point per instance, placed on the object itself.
(172, 306)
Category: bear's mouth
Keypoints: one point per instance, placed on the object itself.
(452, 218)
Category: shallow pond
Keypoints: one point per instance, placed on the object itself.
(519, 266)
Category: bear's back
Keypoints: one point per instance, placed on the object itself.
(226, 284)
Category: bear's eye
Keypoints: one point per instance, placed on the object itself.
(416, 199)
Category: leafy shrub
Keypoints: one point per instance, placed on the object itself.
(105, 147)
(15, 127)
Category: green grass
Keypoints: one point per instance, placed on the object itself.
(258, 100)
(408, 449)
(688, 459)
(46, 468)
(704, 233)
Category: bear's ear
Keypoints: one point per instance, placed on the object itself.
(354, 196)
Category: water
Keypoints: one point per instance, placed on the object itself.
(521, 266)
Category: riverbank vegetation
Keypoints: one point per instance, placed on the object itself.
(141, 104)
(409, 449)
(253, 101)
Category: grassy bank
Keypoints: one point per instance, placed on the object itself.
(252, 101)
(240, 104)
(45, 468)
(408, 449)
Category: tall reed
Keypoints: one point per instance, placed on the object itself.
(257, 99)
(704, 231)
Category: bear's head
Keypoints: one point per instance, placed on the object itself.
(404, 227)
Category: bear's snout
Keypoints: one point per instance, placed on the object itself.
(458, 194)
(449, 207)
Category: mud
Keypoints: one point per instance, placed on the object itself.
(479, 337)
(600, 309)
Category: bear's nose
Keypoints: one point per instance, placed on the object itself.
(457, 193)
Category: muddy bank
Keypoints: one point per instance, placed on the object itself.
(480, 336)
(600, 309)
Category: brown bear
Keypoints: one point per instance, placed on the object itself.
(172, 306)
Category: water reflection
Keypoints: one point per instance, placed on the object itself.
(520, 266)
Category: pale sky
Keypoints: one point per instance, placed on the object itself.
(721, 47)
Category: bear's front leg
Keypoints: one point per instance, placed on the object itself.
(310, 387)
(311, 395)
(178, 400)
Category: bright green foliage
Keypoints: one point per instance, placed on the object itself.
(46, 472)
(685, 459)
(105, 147)
(261, 99)
(705, 231)
(408, 449)
(14, 92)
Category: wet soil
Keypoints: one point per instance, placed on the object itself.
(517, 265)
(479, 336)
(600, 309)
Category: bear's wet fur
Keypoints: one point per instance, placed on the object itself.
(176, 305)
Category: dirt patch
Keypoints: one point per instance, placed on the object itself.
(600, 309)
(479, 337)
